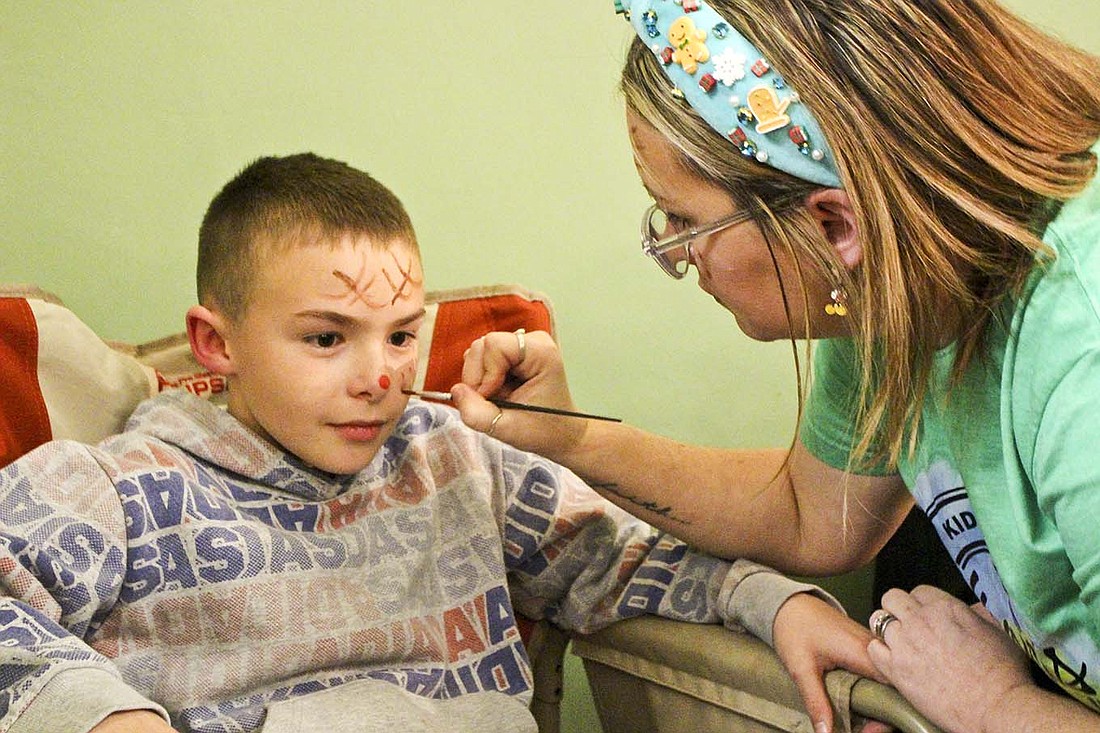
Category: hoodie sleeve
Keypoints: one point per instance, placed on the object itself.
(583, 562)
(62, 565)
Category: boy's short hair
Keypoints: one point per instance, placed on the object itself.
(281, 202)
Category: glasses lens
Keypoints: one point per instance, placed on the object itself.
(657, 227)
(675, 261)
(658, 224)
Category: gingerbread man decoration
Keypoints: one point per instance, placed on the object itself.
(687, 41)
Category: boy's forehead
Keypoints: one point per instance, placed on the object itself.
(364, 247)
(355, 260)
(378, 274)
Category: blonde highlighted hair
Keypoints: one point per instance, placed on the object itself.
(958, 130)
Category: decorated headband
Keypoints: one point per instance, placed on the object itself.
(727, 81)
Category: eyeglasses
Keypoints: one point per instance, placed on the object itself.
(656, 222)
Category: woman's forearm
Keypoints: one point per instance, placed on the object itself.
(738, 503)
(1031, 709)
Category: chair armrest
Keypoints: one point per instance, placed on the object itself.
(545, 645)
(648, 671)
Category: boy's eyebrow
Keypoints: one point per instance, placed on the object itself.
(343, 319)
(324, 315)
(414, 317)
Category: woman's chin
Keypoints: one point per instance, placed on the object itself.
(758, 331)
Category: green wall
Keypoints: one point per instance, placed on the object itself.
(497, 123)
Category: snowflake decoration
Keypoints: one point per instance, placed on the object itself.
(729, 66)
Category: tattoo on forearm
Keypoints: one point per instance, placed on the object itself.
(651, 506)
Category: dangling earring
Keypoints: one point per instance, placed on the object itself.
(838, 306)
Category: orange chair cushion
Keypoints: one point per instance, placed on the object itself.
(24, 422)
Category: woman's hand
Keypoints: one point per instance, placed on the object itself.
(812, 637)
(521, 367)
(951, 661)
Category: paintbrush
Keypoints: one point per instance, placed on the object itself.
(446, 397)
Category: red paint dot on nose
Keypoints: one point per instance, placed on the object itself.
(384, 381)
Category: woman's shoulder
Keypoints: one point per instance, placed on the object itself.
(1074, 234)
(1056, 319)
(1068, 285)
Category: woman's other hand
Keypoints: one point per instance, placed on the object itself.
(961, 670)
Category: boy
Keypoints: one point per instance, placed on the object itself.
(321, 555)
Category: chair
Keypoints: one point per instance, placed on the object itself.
(653, 674)
(58, 379)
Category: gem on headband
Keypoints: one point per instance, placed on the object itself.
(799, 137)
(707, 60)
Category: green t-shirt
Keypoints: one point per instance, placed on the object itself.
(1008, 465)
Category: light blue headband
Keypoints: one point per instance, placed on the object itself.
(728, 82)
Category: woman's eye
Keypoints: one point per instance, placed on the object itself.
(677, 223)
(324, 340)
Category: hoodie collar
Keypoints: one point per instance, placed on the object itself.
(213, 436)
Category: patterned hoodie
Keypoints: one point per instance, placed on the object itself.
(189, 567)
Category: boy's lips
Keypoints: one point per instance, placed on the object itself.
(359, 430)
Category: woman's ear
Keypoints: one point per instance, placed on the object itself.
(832, 210)
(206, 331)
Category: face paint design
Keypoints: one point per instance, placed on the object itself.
(384, 381)
(376, 294)
(406, 373)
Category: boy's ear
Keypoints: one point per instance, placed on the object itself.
(206, 330)
(832, 209)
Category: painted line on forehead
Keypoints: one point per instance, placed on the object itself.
(352, 282)
(407, 274)
(357, 292)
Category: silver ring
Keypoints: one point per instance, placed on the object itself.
(522, 345)
(880, 619)
(493, 424)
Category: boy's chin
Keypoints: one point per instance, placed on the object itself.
(343, 465)
(340, 461)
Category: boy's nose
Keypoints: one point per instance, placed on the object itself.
(372, 379)
(371, 386)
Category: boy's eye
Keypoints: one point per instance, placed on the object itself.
(402, 338)
(324, 340)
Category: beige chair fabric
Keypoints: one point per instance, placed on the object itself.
(652, 674)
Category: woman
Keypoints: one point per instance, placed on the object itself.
(924, 207)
